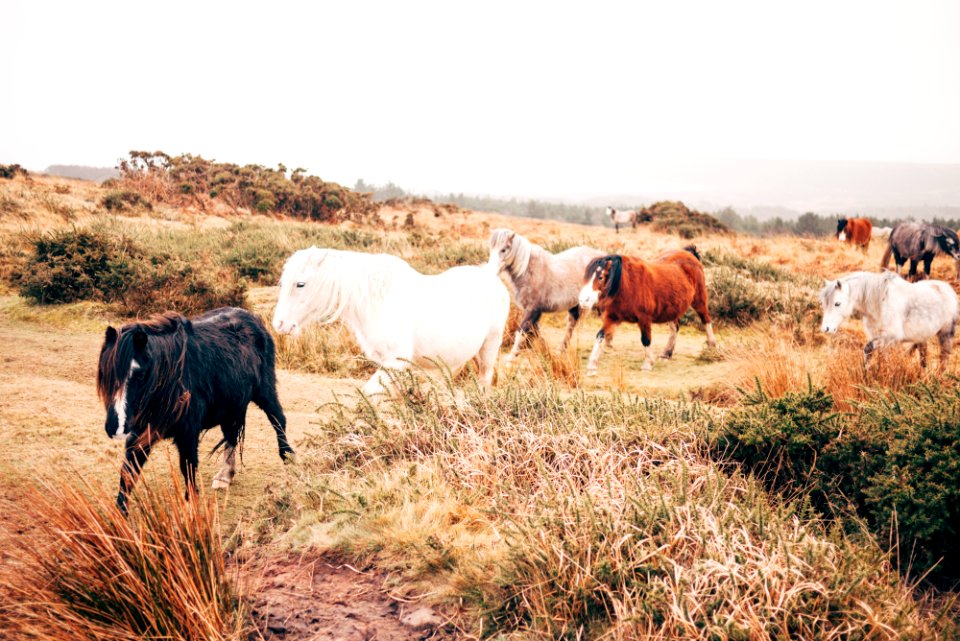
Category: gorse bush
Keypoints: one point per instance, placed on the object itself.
(97, 265)
(743, 291)
(91, 574)
(673, 217)
(192, 180)
(123, 200)
(12, 171)
(894, 462)
(71, 265)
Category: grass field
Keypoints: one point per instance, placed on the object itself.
(554, 505)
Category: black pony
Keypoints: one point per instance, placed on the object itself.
(170, 377)
(921, 242)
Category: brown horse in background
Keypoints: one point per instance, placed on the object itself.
(631, 290)
(856, 231)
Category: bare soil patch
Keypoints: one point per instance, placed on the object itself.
(318, 597)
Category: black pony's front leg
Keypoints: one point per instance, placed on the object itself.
(135, 456)
(187, 445)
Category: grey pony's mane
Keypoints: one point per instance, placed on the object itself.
(518, 258)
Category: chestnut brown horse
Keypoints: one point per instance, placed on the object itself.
(856, 231)
(631, 290)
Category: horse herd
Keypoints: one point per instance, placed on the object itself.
(173, 377)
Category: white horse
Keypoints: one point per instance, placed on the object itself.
(398, 315)
(622, 217)
(881, 232)
(893, 310)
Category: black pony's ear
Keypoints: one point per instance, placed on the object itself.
(139, 340)
(110, 337)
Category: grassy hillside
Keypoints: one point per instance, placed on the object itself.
(677, 503)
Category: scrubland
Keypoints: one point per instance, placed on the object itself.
(771, 488)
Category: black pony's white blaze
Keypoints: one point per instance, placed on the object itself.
(120, 404)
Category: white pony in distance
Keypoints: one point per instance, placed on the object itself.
(893, 310)
(397, 314)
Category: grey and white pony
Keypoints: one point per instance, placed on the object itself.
(921, 242)
(398, 315)
(622, 217)
(893, 310)
(881, 232)
(540, 281)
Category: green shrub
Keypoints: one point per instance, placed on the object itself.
(123, 200)
(71, 265)
(894, 463)
(12, 171)
(93, 264)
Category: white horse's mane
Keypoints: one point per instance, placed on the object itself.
(346, 282)
(866, 289)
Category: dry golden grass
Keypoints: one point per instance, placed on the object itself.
(90, 573)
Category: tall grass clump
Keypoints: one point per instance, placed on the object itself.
(584, 516)
(89, 573)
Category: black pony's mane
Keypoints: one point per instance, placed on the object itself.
(164, 339)
(614, 274)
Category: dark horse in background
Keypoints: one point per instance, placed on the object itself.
(170, 377)
(921, 242)
(855, 231)
(631, 290)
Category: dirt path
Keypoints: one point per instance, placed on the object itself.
(315, 597)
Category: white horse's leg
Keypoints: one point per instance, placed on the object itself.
(380, 379)
(672, 341)
(227, 471)
(488, 356)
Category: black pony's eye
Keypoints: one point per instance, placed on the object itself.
(301, 283)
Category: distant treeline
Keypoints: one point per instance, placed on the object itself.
(98, 174)
(583, 214)
(808, 224)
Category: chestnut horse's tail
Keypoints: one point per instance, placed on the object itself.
(693, 250)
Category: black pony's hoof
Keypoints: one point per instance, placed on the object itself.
(288, 456)
(122, 505)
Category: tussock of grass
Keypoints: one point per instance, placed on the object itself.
(585, 516)
(91, 574)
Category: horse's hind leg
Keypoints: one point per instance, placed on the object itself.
(699, 305)
(231, 435)
(488, 356)
(266, 399)
(922, 348)
(946, 346)
(672, 341)
(573, 317)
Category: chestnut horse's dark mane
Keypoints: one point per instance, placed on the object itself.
(168, 335)
(615, 270)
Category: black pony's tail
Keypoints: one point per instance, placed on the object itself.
(693, 250)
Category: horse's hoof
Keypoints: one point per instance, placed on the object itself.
(591, 372)
(220, 484)
(666, 357)
(647, 367)
(289, 458)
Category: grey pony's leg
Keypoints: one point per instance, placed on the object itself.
(528, 327)
(573, 317)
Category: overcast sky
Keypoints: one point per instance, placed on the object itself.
(545, 99)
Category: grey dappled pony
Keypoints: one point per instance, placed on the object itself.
(921, 242)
